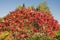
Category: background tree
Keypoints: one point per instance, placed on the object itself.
(23, 5)
(19, 6)
(43, 7)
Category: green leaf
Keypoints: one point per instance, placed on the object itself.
(4, 34)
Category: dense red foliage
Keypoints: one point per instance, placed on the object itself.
(35, 20)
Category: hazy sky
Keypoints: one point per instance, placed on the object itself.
(9, 5)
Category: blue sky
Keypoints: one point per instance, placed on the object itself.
(9, 5)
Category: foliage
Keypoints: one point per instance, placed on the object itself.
(0, 19)
(58, 35)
